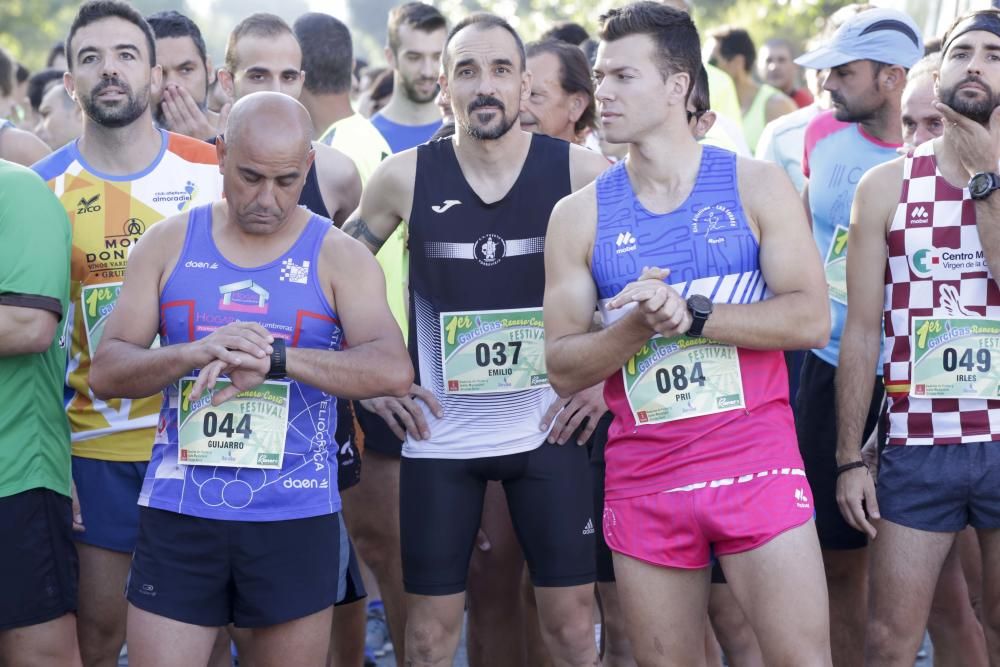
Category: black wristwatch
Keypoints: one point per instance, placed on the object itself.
(277, 370)
(700, 308)
(983, 184)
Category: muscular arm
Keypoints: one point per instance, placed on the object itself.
(375, 363)
(797, 316)
(576, 356)
(340, 184)
(385, 202)
(862, 338)
(805, 203)
(26, 330)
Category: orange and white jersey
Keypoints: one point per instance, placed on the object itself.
(108, 215)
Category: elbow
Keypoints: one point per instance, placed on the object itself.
(400, 379)
(39, 334)
(562, 384)
(817, 328)
(99, 383)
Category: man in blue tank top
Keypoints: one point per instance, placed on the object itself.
(478, 205)
(255, 301)
(416, 35)
(691, 261)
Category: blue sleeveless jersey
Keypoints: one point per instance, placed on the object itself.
(710, 249)
(206, 292)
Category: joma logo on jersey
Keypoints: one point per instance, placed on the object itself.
(88, 205)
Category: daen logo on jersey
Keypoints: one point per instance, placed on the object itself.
(448, 203)
(305, 484)
(626, 243)
(295, 273)
(801, 499)
(88, 205)
(190, 264)
(919, 215)
(490, 249)
(589, 528)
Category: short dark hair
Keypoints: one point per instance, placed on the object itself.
(574, 76)
(381, 86)
(38, 85)
(6, 74)
(58, 49)
(674, 34)
(484, 21)
(259, 24)
(327, 52)
(566, 31)
(417, 15)
(171, 23)
(736, 42)
(22, 73)
(96, 10)
(700, 98)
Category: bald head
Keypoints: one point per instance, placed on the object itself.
(255, 116)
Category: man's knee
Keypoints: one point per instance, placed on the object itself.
(428, 636)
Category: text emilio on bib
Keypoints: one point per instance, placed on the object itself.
(491, 351)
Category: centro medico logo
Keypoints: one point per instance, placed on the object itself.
(923, 261)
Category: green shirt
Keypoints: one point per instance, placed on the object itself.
(34, 272)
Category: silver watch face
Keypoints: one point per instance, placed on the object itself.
(980, 185)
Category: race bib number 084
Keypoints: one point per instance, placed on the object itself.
(247, 431)
(953, 358)
(680, 377)
(493, 351)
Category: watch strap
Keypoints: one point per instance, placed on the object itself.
(277, 370)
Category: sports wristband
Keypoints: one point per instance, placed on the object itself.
(850, 466)
(277, 370)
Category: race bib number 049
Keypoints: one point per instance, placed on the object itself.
(681, 377)
(247, 431)
(953, 358)
(493, 351)
(836, 266)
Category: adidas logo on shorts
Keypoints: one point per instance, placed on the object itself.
(589, 528)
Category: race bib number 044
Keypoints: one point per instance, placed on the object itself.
(836, 266)
(681, 377)
(953, 358)
(247, 431)
(493, 351)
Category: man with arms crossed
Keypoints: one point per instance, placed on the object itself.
(701, 456)
(936, 248)
(478, 206)
(116, 182)
(240, 508)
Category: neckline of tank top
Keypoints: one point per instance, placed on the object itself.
(701, 175)
(532, 147)
(207, 231)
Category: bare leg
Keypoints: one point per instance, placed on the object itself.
(347, 646)
(847, 586)
(989, 542)
(371, 511)
(304, 641)
(495, 630)
(102, 606)
(538, 652)
(737, 638)
(972, 567)
(155, 640)
(713, 651)
(566, 616)
(50, 644)
(955, 631)
(905, 564)
(780, 587)
(433, 629)
(222, 655)
(617, 649)
(665, 612)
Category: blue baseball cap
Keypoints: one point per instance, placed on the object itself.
(885, 35)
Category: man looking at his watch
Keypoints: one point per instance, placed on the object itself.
(256, 301)
(923, 265)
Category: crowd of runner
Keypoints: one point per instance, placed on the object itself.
(306, 362)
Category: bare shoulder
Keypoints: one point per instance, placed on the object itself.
(574, 217)
(761, 181)
(333, 162)
(342, 254)
(390, 188)
(585, 165)
(884, 178)
(23, 147)
(165, 236)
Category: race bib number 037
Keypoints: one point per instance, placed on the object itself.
(247, 431)
(493, 351)
(953, 358)
(680, 377)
